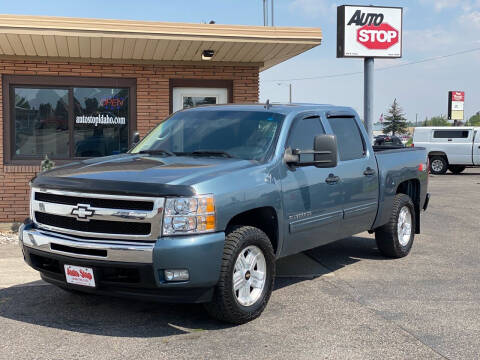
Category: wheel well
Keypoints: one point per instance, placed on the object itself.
(264, 218)
(437, 153)
(412, 188)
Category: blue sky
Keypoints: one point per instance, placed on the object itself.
(431, 28)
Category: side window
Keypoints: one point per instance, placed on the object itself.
(302, 133)
(349, 139)
(450, 134)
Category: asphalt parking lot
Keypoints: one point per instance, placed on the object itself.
(342, 301)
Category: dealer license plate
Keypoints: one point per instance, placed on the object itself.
(79, 275)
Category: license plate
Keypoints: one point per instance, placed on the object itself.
(79, 275)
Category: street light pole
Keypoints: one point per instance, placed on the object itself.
(290, 92)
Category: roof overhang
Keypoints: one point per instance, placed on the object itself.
(99, 40)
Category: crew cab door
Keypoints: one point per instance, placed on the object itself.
(357, 169)
(312, 206)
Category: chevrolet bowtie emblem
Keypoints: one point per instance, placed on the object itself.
(83, 212)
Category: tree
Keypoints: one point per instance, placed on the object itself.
(395, 121)
(437, 121)
(474, 120)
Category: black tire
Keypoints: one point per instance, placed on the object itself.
(438, 165)
(456, 169)
(224, 305)
(387, 235)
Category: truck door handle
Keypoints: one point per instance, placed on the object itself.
(332, 179)
(369, 171)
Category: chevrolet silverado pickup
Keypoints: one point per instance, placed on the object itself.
(201, 208)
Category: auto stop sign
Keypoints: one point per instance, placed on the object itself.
(369, 31)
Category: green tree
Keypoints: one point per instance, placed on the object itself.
(474, 120)
(395, 121)
(437, 121)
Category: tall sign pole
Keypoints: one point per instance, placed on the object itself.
(369, 32)
(368, 68)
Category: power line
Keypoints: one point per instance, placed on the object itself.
(435, 58)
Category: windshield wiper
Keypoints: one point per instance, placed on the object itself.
(211, 153)
(157, 152)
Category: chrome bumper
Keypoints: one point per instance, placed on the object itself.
(110, 251)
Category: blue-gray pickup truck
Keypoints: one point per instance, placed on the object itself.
(203, 205)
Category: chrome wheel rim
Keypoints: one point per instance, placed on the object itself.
(437, 165)
(249, 275)
(404, 226)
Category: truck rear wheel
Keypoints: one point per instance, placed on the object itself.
(456, 169)
(438, 165)
(395, 238)
(246, 277)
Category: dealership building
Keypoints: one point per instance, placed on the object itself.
(76, 88)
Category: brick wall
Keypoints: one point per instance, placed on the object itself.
(152, 106)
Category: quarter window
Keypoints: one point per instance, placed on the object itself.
(349, 139)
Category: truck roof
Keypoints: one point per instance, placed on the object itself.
(277, 108)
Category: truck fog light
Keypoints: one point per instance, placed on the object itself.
(176, 275)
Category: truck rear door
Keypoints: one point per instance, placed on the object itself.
(357, 169)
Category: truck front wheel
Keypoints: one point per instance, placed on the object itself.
(438, 165)
(395, 238)
(246, 277)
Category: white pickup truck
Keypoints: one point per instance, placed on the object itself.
(449, 148)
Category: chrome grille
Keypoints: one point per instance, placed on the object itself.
(97, 215)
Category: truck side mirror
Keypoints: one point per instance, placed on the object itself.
(325, 151)
(135, 139)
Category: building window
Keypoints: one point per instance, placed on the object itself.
(67, 118)
(40, 117)
(101, 121)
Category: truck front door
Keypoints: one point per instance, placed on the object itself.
(313, 207)
(357, 169)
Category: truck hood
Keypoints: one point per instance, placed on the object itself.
(142, 175)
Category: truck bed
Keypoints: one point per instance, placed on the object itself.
(396, 165)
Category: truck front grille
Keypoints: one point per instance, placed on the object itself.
(97, 216)
(93, 226)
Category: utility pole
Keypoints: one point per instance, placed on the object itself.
(264, 12)
(272, 13)
(416, 119)
(368, 95)
(290, 92)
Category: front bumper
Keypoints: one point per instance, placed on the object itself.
(129, 268)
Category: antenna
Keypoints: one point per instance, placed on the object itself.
(267, 104)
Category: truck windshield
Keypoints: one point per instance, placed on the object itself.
(248, 135)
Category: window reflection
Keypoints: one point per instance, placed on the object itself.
(41, 122)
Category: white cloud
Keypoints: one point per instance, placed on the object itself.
(471, 19)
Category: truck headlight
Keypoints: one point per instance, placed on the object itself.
(189, 215)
